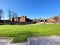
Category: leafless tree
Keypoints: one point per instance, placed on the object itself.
(9, 14)
(12, 15)
(1, 12)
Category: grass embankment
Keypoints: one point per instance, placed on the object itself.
(22, 32)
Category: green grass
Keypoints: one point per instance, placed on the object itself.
(22, 32)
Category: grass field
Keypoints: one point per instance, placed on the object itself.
(22, 32)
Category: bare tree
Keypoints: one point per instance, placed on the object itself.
(1, 12)
(9, 14)
(12, 15)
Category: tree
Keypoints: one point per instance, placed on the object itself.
(1, 12)
(9, 14)
(12, 15)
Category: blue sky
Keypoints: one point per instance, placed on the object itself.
(31, 8)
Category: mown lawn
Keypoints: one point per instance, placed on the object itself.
(22, 32)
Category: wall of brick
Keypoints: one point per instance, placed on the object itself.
(22, 19)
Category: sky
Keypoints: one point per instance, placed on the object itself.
(31, 8)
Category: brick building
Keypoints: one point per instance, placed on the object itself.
(51, 20)
(22, 19)
(58, 19)
(55, 19)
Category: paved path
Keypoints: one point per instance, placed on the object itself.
(53, 40)
(7, 42)
(19, 44)
(4, 41)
